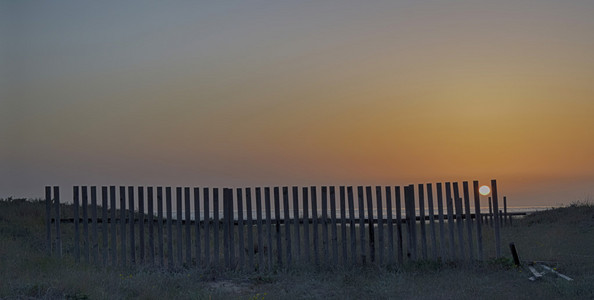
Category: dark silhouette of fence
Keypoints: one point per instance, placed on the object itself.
(259, 229)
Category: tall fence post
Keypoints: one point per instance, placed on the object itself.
(240, 227)
(449, 204)
(151, 225)
(48, 220)
(250, 228)
(422, 221)
(325, 224)
(352, 221)
(123, 225)
(76, 195)
(361, 222)
(279, 248)
(296, 222)
(227, 197)
(58, 234)
(205, 192)
(104, 225)
(432, 220)
(268, 225)
(390, 225)
(85, 206)
(132, 221)
(168, 211)
(160, 226)
(343, 231)
(305, 202)
(400, 251)
(197, 225)
(287, 222)
(95, 233)
(442, 244)
(141, 223)
(113, 244)
(477, 212)
(409, 198)
(259, 226)
(468, 219)
(459, 221)
(314, 215)
(496, 217)
(188, 221)
(380, 224)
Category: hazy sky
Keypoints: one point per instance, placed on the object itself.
(263, 93)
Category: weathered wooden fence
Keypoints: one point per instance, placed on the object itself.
(260, 229)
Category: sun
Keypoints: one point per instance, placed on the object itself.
(484, 190)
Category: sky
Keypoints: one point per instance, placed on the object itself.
(283, 93)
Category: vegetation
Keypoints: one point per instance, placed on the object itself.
(563, 237)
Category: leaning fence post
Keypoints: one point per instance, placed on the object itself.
(442, 243)
(48, 220)
(451, 225)
(496, 217)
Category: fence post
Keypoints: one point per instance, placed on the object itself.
(132, 221)
(296, 222)
(151, 229)
(287, 223)
(432, 220)
(268, 225)
(352, 221)
(178, 226)
(421, 192)
(496, 217)
(490, 222)
(399, 224)
(123, 225)
(197, 224)
(104, 224)
(370, 224)
(325, 224)
(459, 221)
(279, 248)
(48, 220)
(250, 228)
(477, 212)
(95, 234)
(361, 222)
(468, 219)
(240, 228)
(188, 221)
(227, 197)
(333, 225)
(114, 250)
(442, 244)
(168, 210)
(505, 210)
(141, 223)
(76, 195)
(314, 215)
(58, 234)
(451, 224)
(380, 224)
(215, 207)
(259, 225)
(160, 225)
(390, 225)
(206, 194)
(85, 206)
(409, 198)
(305, 193)
(343, 225)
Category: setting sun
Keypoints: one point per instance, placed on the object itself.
(484, 190)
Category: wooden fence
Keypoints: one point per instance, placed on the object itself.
(260, 229)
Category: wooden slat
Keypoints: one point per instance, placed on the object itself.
(94, 230)
(240, 229)
(389, 217)
(449, 204)
(287, 222)
(296, 221)
(131, 217)
(333, 228)
(268, 225)
(216, 220)
(305, 193)
(151, 225)
(314, 215)
(160, 239)
(442, 243)
(205, 192)
(259, 227)
(370, 226)
(76, 195)
(85, 208)
(343, 231)
(277, 208)
(421, 191)
(352, 222)
(380, 224)
(178, 226)
(123, 222)
(188, 214)
(48, 218)
(197, 237)
(250, 228)
(169, 212)
(325, 242)
(432, 221)
(227, 198)
(409, 198)
(141, 215)
(459, 221)
(361, 222)
(104, 225)
(468, 219)
(477, 214)
(400, 252)
(113, 245)
(58, 232)
(496, 223)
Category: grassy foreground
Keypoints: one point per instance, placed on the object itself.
(564, 237)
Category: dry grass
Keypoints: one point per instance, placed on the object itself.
(564, 237)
